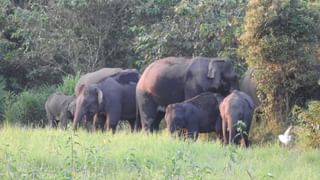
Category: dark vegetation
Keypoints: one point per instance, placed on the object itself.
(46, 45)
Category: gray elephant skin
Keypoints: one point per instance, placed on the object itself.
(117, 101)
(121, 75)
(236, 106)
(60, 109)
(249, 86)
(175, 79)
(199, 114)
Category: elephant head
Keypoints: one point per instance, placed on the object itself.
(175, 117)
(224, 78)
(89, 101)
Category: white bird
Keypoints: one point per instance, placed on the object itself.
(286, 137)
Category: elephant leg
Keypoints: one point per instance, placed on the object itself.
(101, 121)
(193, 129)
(95, 122)
(52, 121)
(63, 123)
(113, 118)
(232, 132)
(224, 131)
(193, 135)
(148, 110)
(157, 120)
(132, 123)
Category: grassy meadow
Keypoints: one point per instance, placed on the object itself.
(56, 154)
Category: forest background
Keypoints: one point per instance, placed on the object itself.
(46, 45)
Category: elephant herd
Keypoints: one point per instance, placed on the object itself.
(198, 95)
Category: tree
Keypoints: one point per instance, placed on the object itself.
(280, 40)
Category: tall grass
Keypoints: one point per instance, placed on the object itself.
(56, 154)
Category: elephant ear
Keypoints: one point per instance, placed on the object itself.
(100, 95)
(214, 69)
(81, 88)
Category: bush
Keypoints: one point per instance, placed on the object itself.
(308, 122)
(280, 40)
(69, 83)
(27, 108)
(3, 94)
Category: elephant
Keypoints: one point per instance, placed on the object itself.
(123, 76)
(199, 114)
(233, 108)
(175, 79)
(109, 97)
(60, 109)
(249, 86)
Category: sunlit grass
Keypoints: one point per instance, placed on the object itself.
(56, 154)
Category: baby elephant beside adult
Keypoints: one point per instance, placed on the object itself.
(60, 109)
(199, 114)
(175, 79)
(112, 97)
(237, 106)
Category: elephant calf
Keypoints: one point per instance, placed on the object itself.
(235, 107)
(199, 114)
(60, 109)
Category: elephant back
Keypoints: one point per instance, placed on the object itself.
(95, 77)
(56, 101)
(205, 101)
(127, 76)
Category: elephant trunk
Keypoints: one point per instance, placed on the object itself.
(78, 116)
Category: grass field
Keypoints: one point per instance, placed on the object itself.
(55, 154)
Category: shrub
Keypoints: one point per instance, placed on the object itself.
(280, 40)
(308, 122)
(69, 83)
(27, 108)
(2, 98)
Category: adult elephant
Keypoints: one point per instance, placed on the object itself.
(95, 77)
(60, 109)
(199, 114)
(235, 107)
(123, 76)
(175, 79)
(109, 97)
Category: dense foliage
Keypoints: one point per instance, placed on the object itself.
(3, 95)
(27, 108)
(280, 40)
(308, 123)
(45, 41)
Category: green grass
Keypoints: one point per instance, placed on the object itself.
(56, 154)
